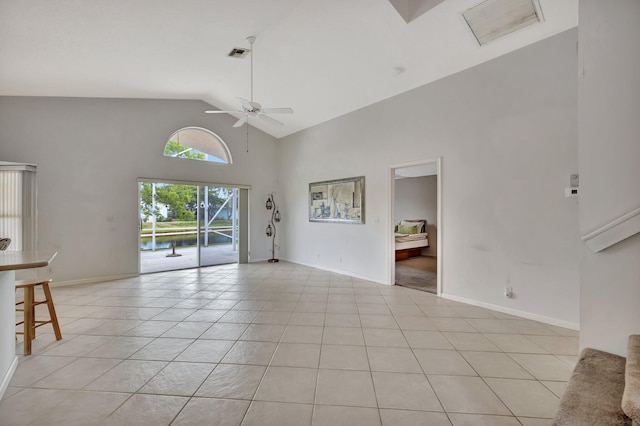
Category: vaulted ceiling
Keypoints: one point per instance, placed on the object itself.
(323, 58)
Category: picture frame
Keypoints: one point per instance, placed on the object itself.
(337, 201)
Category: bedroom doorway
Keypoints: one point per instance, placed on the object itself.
(415, 253)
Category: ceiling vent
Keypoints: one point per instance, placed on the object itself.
(493, 19)
(239, 52)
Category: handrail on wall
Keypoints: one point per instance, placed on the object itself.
(613, 232)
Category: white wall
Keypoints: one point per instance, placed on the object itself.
(609, 112)
(507, 134)
(89, 153)
(417, 198)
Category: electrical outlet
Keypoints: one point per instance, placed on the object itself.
(508, 292)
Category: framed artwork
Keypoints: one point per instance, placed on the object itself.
(338, 201)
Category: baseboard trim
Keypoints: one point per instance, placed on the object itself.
(337, 271)
(92, 280)
(7, 377)
(515, 312)
(473, 302)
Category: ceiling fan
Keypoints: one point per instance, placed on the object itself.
(250, 108)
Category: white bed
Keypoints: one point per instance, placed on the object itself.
(411, 244)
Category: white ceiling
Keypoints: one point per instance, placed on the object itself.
(323, 58)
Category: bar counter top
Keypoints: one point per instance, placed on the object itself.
(10, 261)
(14, 260)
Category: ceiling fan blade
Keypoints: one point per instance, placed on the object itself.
(242, 120)
(249, 105)
(277, 110)
(270, 120)
(245, 103)
(222, 112)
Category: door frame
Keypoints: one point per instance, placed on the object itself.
(392, 219)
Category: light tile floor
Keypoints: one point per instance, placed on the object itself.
(284, 344)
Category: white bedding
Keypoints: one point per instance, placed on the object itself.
(410, 241)
(412, 244)
(402, 238)
(407, 241)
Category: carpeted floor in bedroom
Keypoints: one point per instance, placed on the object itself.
(418, 272)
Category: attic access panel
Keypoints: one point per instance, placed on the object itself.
(493, 19)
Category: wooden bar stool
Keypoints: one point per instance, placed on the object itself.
(29, 309)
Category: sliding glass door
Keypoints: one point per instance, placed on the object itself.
(187, 226)
(218, 225)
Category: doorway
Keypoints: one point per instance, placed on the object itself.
(415, 212)
(187, 225)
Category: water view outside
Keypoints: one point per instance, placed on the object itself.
(186, 226)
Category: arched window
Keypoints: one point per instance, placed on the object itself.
(197, 143)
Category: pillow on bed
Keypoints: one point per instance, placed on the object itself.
(408, 228)
(419, 224)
